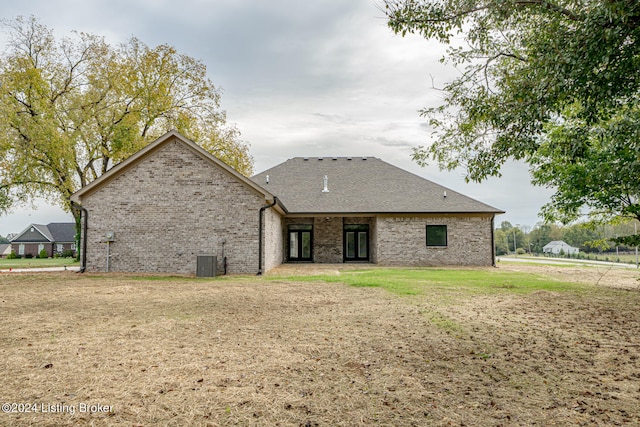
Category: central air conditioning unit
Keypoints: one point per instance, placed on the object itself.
(206, 265)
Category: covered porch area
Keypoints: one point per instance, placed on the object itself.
(329, 239)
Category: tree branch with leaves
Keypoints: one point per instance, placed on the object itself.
(70, 109)
(553, 83)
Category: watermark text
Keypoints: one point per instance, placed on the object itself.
(55, 408)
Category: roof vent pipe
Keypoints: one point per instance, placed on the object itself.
(325, 180)
(267, 179)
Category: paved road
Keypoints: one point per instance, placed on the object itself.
(39, 270)
(557, 261)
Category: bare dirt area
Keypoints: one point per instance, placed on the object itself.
(277, 352)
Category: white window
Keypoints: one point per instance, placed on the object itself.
(59, 247)
(40, 247)
(21, 249)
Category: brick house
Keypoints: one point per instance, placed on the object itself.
(55, 238)
(172, 201)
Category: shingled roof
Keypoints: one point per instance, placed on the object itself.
(57, 232)
(360, 185)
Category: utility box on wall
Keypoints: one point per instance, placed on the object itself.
(206, 266)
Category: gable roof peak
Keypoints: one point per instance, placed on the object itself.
(177, 137)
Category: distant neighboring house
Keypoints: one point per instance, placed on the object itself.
(172, 202)
(5, 249)
(55, 238)
(557, 246)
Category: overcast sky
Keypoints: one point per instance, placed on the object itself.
(299, 78)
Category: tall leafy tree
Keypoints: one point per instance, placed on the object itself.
(72, 108)
(555, 83)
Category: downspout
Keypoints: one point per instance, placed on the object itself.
(493, 242)
(260, 232)
(83, 235)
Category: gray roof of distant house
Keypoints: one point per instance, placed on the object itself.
(62, 231)
(360, 185)
(56, 232)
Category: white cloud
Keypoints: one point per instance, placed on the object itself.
(319, 77)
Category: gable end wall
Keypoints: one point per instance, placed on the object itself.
(167, 209)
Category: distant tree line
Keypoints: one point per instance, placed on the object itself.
(589, 238)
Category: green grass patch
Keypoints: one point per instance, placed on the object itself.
(6, 264)
(444, 287)
(444, 322)
(403, 281)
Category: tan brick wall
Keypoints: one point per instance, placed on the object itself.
(273, 240)
(401, 240)
(168, 208)
(327, 239)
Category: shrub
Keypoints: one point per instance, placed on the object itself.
(13, 255)
(520, 251)
(67, 254)
(43, 254)
(28, 255)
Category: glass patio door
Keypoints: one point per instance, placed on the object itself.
(356, 242)
(300, 241)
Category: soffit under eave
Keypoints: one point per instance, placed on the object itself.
(391, 214)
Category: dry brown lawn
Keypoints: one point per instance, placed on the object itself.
(277, 352)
